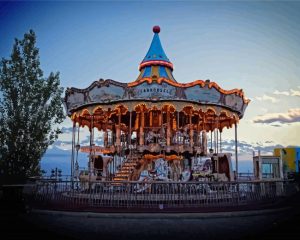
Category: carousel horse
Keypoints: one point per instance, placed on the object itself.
(220, 177)
(140, 167)
(186, 175)
(161, 169)
(150, 137)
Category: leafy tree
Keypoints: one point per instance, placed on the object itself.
(30, 107)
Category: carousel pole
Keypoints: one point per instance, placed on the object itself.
(91, 142)
(105, 138)
(211, 147)
(219, 136)
(221, 141)
(236, 152)
(204, 136)
(77, 149)
(215, 141)
(150, 118)
(191, 131)
(142, 128)
(129, 140)
(177, 135)
(118, 132)
(217, 150)
(199, 137)
(177, 119)
(121, 140)
(146, 116)
(72, 154)
(204, 142)
(161, 124)
(168, 127)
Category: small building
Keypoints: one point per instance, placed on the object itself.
(267, 167)
(290, 157)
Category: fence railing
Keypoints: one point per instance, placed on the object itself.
(246, 176)
(156, 195)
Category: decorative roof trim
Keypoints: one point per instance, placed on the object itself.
(101, 82)
(202, 83)
(154, 62)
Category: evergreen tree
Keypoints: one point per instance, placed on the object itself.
(30, 107)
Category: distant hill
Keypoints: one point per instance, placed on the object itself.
(61, 159)
(57, 151)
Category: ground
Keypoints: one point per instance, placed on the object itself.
(279, 223)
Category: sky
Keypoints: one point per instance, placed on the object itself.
(252, 46)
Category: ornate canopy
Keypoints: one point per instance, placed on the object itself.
(210, 106)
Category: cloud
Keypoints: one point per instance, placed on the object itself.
(295, 93)
(267, 98)
(292, 116)
(273, 97)
(70, 129)
(286, 93)
(291, 92)
(67, 129)
(247, 148)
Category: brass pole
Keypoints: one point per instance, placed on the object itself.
(168, 127)
(130, 122)
(72, 154)
(220, 141)
(236, 153)
(91, 142)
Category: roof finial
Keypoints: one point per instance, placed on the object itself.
(156, 29)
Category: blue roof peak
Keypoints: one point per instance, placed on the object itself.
(156, 52)
(156, 63)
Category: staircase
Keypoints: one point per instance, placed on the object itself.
(126, 169)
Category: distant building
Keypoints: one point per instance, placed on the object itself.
(290, 157)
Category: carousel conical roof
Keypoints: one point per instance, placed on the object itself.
(156, 63)
(156, 51)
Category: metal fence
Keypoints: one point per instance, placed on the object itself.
(69, 195)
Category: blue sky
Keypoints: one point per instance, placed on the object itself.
(249, 45)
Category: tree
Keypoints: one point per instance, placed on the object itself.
(30, 110)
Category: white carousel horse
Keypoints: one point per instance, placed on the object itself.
(150, 136)
(220, 177)
(161, 167)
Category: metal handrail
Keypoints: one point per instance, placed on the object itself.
(135, 194)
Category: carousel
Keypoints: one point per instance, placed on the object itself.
(154, 128)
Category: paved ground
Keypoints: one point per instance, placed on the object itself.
(261, 224)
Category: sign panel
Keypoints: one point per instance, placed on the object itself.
(199, 94)
(111, 92)
(164, 91)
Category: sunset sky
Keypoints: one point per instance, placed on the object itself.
(250, 45)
